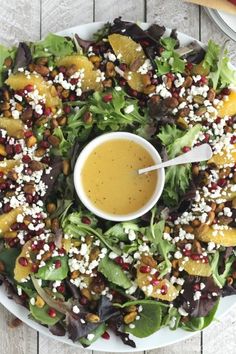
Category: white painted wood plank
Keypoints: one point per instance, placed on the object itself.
(129, 10)
(210, 30)
(220, 336)
(17, 340)
(19, 20)
(58, 15)
(174, 14)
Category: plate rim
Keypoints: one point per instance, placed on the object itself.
(220, 23)
(19, 311)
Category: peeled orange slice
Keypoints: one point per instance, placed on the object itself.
(126, 49)
(14, 127)
(196, 268)
(8, 165)
(21, 272)
(229, 107)
(225, 237)
(226, 157)
(7, 219)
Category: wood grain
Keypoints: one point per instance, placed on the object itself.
(128, 9)
(58, 15)
(175, 14)
(19, 20)
(19, 340)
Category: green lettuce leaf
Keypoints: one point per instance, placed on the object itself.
(114, 273)
(49, 272)
(41, 315)
(53, 44)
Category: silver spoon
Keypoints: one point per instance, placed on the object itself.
(197, 154)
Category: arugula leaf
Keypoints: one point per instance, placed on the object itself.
(177, 177)
(217, 62)
(4, 54)
(53, 44)
(114, 273)
(150, 317)
(169, 60)
(97, 334)
(49, 272)
(41, 315)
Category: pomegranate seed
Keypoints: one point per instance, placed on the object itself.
(46, 160)
(189, 66)
(61, 251)
(7, 208)
(196, 287)
(52, 246)
(61, 288)
(83, 301)
(67, 109)
(187, 253)
(186, 149)
(26, 159)
(106, 335)
(154, 81)
(2, 140)
(17, 149)
(34, 247)
(145, 269)
(195, 257)
(3, 186)
(23, 261)
(144, 43)
(73, 81)
(1, 174)
(40, 245)
(20, 92)
(207, 137)
(28, 133)
(164, 289)
(205, 260)
(29, 88)
(72, 97)
(86, 220)
(133, 93)
(62, 69)
(44, 144)
(170, 76)
(222, 182)
(213, 186)
(161, 49)
(52, 313)
(122, 82)
(9, 149)
(203, 80)
(34, 268)
(226, 91)
(13, 242)
(233, 139)
(107, 98)
(125, 266)
(119, 260)
(155, 282)
(47, 111)
(57, 264)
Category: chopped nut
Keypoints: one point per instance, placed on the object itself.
(148, 260)
(5, 106)
(75, 274)
(62, 121)
(27, 114)
(88, 117)
(110, 69)
(230, 280)
(92, 318)
(94, 253)
(71, 70)
(234, 203)
(197, 248)
(31, 141)
(86, 293)
(146, 80)
(200, 111)
(171, 102)
(36, 165)
(42, 61)
(149, 89)
(198, 99)
(188, 82)
(39, 302)
(195, 170)
(54, 140)
(8, 62)
(210, 218)
(130, 308)
(55, 225)
(107, 83)
(39, 152)
(66, 167)
(3, 150)
(184, 112)
(51, 208)
(29, 188)
(181, 123)
(41, 69)
(2, 267)
(130, 317)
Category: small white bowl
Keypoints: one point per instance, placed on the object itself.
(87, 151)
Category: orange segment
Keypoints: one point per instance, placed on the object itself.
(91, 80)
(229, 107)
(21, 272)
(14, 127)
(196, 267)
(143, 283)
(226, 157)
(225, 237)
(8, 165)
(127, 50)
(20, 80)
(7, 219)
(134, 80)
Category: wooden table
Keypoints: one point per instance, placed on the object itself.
(32, 20)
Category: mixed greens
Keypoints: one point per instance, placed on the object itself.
(85, 276)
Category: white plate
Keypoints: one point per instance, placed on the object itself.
(159, 339)
(226, 22)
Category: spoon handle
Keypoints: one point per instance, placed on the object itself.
(197, 154)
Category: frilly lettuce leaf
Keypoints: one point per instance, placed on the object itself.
(53, 44)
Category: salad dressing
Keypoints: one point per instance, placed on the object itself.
(110, 178)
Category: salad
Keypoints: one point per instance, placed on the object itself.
(85, 276)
